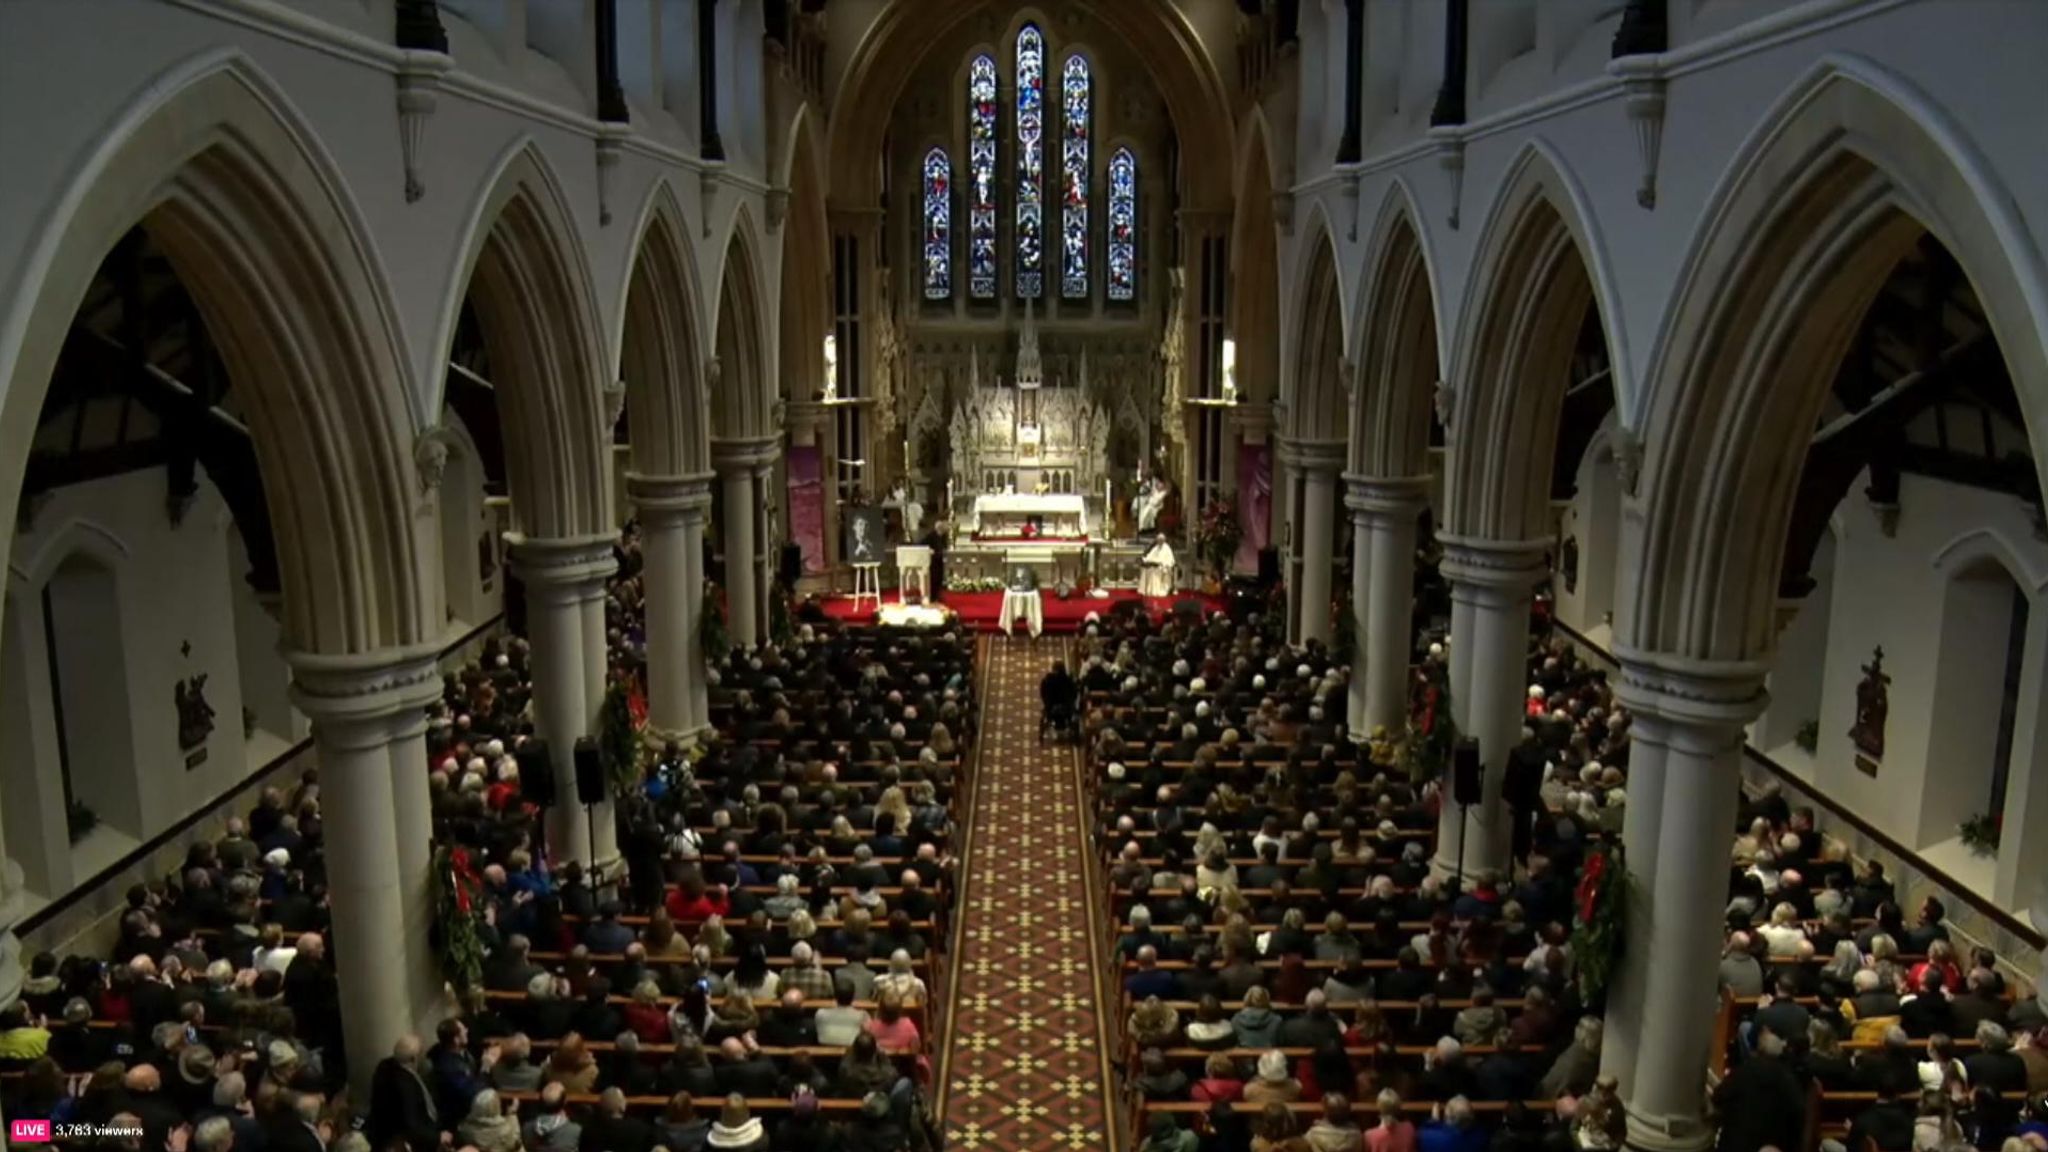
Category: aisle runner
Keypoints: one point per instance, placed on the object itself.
(1024, 1065)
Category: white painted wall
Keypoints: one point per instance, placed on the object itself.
(171, 586)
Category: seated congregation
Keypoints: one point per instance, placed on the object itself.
(764, 972)
(1301, 967)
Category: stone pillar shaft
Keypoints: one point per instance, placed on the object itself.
(671, 510)
(1492, 582)
(1318, 523)
(742, 466)
(1384, 518)
(1691, 717)
(558, 575)
(596, 666)
(368, 711)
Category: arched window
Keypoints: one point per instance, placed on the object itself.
(938, 225)
(1030, 163)
(1074, 93)
(1123, 225)
(981, 172)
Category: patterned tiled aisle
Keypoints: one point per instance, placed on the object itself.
(1024, 1064)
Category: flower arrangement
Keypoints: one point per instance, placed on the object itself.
(1600, 908)
(716, 638)
(1981, 832)
(974, 584)
(459, 901)
(1218, 532)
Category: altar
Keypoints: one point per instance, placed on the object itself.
(1059, 515)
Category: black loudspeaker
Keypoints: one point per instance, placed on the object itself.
(536, 773)
(1465, 772)
(789, 567)
(1269, 566)
(590, 787)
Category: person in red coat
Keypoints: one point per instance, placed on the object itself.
(692, 903)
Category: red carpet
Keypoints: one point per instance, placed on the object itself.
(978, 610)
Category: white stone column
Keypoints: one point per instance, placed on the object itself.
(1318, 462)
(770, 497)
(1692, 715)
(738, 462)
(558, 574)
(671, 511)
(1493, 581)
(691, 637)
(1384, 514)
(365, 710)
(1641, 827)
(414, 810)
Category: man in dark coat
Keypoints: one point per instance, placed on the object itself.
(401, 1106)
(1762, 1103)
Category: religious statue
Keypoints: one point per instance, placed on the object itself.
(1570, 564)
(1873, 703)
(195, 715)
(1151, 501)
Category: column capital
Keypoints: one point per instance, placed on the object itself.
(748, 453)
(1313, 455)
(806, 417)
(1504, 564)
(1386, 495)
(1253, 421)
(670, 500)
(363, 699)
(565, 562)
(1702, 705)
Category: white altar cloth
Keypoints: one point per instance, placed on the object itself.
(1050, 505)
(1025, 604)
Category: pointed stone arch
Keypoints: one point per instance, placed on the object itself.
(742, 399)
(661, 359)
(1852, 168)
(527, 276)
(1313, 392)
(806, 297)
(1537, 272)
(213, 161)
(1255, 267)
(1400, 361)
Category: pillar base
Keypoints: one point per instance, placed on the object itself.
(1667, 1133)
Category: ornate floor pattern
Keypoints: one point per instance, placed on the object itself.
(1023, 1068)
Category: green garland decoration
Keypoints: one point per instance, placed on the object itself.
(716, 638)
(1432, 733)
(1599, 922)
(618, 742)
(458, 907)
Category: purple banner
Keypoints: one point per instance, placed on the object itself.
(1255, 504)
(807, 507)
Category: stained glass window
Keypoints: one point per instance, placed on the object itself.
(1030, 163)
(981, 174)
(1123, 225)
(1074, 85)
(938, 225)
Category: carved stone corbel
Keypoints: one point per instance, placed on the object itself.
(707, 197)
(708, 382)
(777, 204)
(1283, 212)
(1348, 192)
(1887, 518)
(419, 85)
(1450, 157)
(1446, 406)
(614, 405)
(430, 456)
(1628, 458)
(610, 147)
(1642, 86)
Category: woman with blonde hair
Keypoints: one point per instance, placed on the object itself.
(1154, 1023)
(941, 741)
(1393, 1133)
(801, 926)
(894, 803)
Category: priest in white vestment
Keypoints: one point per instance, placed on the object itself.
(1155, 578)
